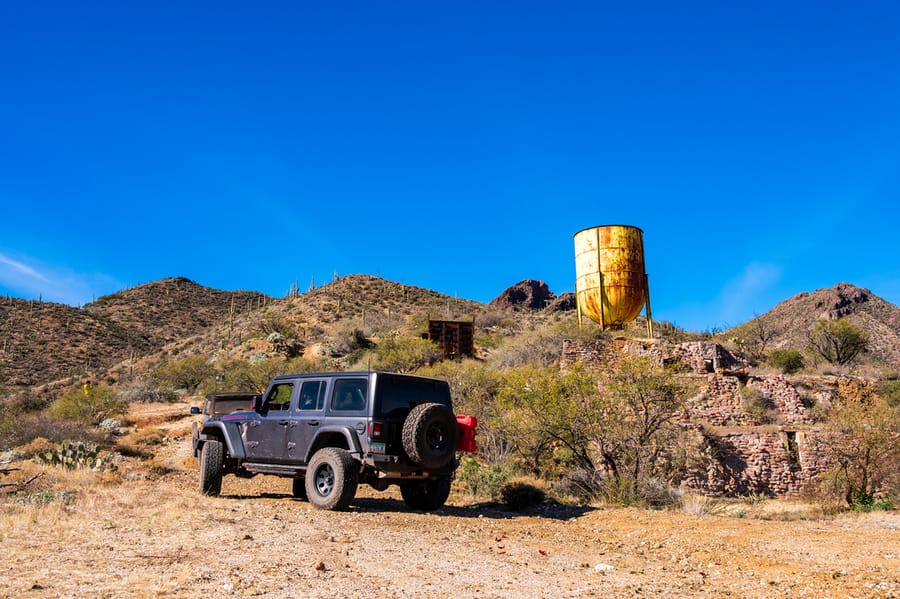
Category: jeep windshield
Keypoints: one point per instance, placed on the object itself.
(395, 396)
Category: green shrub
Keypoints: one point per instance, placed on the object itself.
(93, 405)
(867, 502)
(788, 361)
(484, 481)
(757, 405)
(890, 390)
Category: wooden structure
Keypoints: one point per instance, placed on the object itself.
(455, 338)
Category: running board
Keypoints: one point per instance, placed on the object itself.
(276, 469)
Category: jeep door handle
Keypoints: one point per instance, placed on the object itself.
(283, 422)
(312, 422)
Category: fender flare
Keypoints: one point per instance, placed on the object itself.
(230, 435)
(347, 432)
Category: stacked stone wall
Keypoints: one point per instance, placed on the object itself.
(780, 462)
(723, 403)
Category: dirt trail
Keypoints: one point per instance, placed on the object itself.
(157, 538)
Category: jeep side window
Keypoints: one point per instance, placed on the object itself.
(312, 396)
(279, 397)
(349, 395)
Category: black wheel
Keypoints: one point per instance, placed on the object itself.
(212, 456)
(430, 435)
(426, 495)
(298, 489)
(331, 479)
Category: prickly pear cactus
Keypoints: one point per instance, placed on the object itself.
(75, 454)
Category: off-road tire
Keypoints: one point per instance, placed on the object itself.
(430, 435)
(298, 488)
(426, 495)
(331, 479)
(212, 456)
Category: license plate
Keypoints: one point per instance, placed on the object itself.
(376, 447)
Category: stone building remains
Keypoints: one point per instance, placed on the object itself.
(755, 431)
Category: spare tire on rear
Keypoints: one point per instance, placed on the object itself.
(430, 435)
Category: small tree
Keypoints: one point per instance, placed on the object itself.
(187, 373)
(757, 335)
(838, 341)
(642, 401)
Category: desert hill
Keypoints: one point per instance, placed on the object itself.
(786, 325)
(41, 342)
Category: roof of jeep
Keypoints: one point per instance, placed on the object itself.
(342, 374)
(231, 395)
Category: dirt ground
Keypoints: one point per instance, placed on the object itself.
(148, 533)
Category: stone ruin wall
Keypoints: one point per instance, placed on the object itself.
(724, 402)
(757, 461)
(777, 451)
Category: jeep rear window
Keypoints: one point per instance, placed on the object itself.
(349, 395)
(396, 396)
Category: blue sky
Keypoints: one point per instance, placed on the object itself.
(451, 145)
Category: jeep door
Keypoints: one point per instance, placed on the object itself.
(306, 419)
(348, 407)
(265, 437)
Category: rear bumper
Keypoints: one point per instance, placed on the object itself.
(400, 466)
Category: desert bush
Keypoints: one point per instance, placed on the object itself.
(274, 323)
(349, 338)
(404, 354)
(22, 429)
(788, 361)
(91, 404)
(757, 405)
(583, 485)
(484, 481)
(889, 390)
(522, 493)
(146, 390)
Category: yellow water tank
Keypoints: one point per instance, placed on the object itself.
(611, 280)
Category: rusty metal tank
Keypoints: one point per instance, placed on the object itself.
(611, 280)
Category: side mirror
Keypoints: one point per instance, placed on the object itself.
(257, 403)
(195, 410)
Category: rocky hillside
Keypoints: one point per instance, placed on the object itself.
(42, 342)
(787, 324)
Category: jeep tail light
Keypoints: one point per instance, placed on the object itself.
(376, 430)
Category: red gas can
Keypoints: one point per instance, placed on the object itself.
(467, 426)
